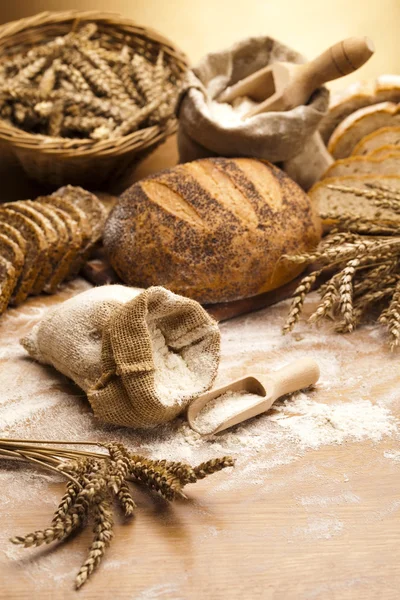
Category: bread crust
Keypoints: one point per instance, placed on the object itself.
(362, 148)
(359, 124)
(8, 278)
(383, 151)
(214, 229)
(27, 209)
(386, 88)
(388, 164)
(36, 251)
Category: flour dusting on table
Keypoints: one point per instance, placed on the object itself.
(37, 402)
(277, 451)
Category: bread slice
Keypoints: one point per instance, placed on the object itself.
(76, 213)
(71, 251)
(36, 250)
(359, 124)
(332, 201)
(47, 262)
(385, 88)
(385, 136)
(383, 151)
(11, 251)
(8, 279)
(14, 235)
(61, 244)
(82, 222)
(95, 213)
(89, 204)
(388, 164)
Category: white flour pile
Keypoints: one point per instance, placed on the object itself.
(231, 115)
(222, 408)
(173, 379)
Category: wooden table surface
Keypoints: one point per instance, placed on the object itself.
(325, 524)
(286, 523)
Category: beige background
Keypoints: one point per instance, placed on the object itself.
(201, 26)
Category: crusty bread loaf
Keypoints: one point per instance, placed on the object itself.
(385, 88)
(388, 164)
(332, 201)
(385, 136)
(359, 124)
(213, 229)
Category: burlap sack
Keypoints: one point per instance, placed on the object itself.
(275, 136)
(141, 356)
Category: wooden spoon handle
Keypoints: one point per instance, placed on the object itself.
(293, 377)
(339, 60)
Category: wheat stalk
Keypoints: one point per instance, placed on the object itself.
(95, 480)
(63, 87)
(363, 255)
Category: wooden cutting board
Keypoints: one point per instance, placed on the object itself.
(99, 272)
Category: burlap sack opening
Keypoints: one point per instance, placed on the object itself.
(141, 356)
(280, 137)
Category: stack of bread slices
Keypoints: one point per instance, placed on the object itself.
(362, 132)
(45, 241)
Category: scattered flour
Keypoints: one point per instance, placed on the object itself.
(324, 528)
(310, 423)
(38, 403)
(393, 455)
(231, 115)
(222, 408)
(344, 498)
(315, 424)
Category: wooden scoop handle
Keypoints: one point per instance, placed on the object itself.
(339, 60)
(296, 376)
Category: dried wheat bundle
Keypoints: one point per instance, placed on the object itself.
(75, 86)
(362, 259)
(95, 481)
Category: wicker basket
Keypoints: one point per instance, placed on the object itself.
(58, 161)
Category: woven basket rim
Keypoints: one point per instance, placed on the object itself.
(85, 147)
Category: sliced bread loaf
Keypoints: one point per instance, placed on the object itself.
(330, 201)
(11, 251)
(384, 136)
(36, 250)
(50, 234)
(359, 124)
(14, 235)
(388, 164)
(71, 250)
(8, 279)
(385, 88)
(89, 204)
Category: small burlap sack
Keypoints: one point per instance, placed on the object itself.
(141, 356)
(278, 137)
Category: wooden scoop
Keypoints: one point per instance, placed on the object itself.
(283, 86)
(295, 376)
